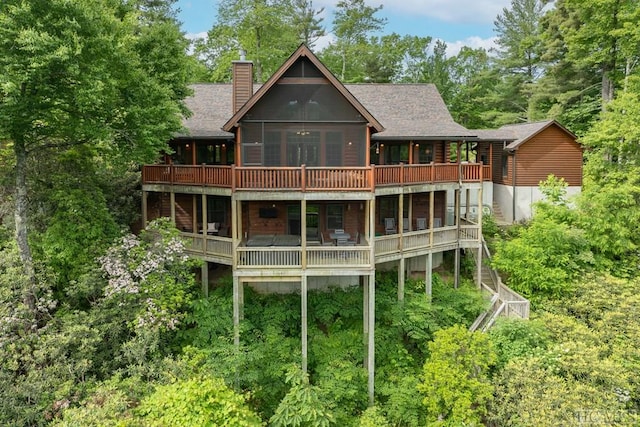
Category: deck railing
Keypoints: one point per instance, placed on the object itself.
(394, 243)
(313, 178)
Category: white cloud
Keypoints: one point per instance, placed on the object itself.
(453, 48)
(452, 11)
(195, 36)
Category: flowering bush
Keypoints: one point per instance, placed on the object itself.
(150, 276)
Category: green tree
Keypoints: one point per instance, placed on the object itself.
(455, 386)
(606, 40)
(353, 22)
(203, 401)
(264, 29)
(52, 56)
(518, 38)
(307, 22)
(301, 406)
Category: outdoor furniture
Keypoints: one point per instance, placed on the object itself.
(340, 238)
(324, 242)
(437, 222)
(286, 240)
(213, 227)
(405, 224)
(421, 223)
(350, 242)
(389, 226)
(260, 240)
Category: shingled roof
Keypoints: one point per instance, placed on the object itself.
(518, 134)
(407, 111)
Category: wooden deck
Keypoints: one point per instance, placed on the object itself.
(389, 247)
(314, 178)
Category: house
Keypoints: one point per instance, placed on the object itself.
(523, 156)
(305, 182)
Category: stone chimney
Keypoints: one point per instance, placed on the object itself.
(242, 82)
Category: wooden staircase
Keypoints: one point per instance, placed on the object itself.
(504, 301)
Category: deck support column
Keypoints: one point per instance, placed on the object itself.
(172, 201)
(456, 267)
(365, 317)
(236, 312)
(431, 216)
(303, 298)
(145, 197)
(371, 341)
(457, 254)
(428, 275)
(467, 203)
(303, 233)
(205, 223)
(480, 213)
(194, 217)
(401, 278)
(410, 212)
(204, 278)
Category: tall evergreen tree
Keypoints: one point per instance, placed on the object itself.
(517, 29)
(353, 23)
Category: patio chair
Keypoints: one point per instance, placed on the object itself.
(323, 242)
(421, 223)
(213, 227)
(354, 241)
(437, 222)
(389, 226)
(405, 224)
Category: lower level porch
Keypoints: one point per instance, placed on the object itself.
(284, 253)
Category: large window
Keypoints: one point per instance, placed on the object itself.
(335, 216)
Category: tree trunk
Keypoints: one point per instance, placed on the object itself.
(21, 219)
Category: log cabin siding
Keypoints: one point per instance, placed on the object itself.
(499, 156)
(552, 151)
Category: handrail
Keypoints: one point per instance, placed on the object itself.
(311, 178)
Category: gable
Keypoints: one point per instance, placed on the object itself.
(303, 69)
(304, 94)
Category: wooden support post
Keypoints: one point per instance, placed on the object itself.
(205, 221)
(457, 268)
(241, 300)
(431, 216)
(234, 233)
(480, 213)
(428, 275)
(204, 278)
(303, 298)
(172, 201)
(194, 216)
(303, 233)
(145, 219)
(236, 312)
(410, 212)
(401, 278)
(371, 343)
(365, 316)
(467, 203)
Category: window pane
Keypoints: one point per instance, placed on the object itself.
(334, 216)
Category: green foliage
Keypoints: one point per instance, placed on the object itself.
(302, 405)
(544, 259)
(455, 386)
(515, 338)
(201, 401)
(373, 417)
(581, 365)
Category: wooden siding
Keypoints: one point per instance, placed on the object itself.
(498, 154)
(552, 151)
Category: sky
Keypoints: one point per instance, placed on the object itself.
(457, 22)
